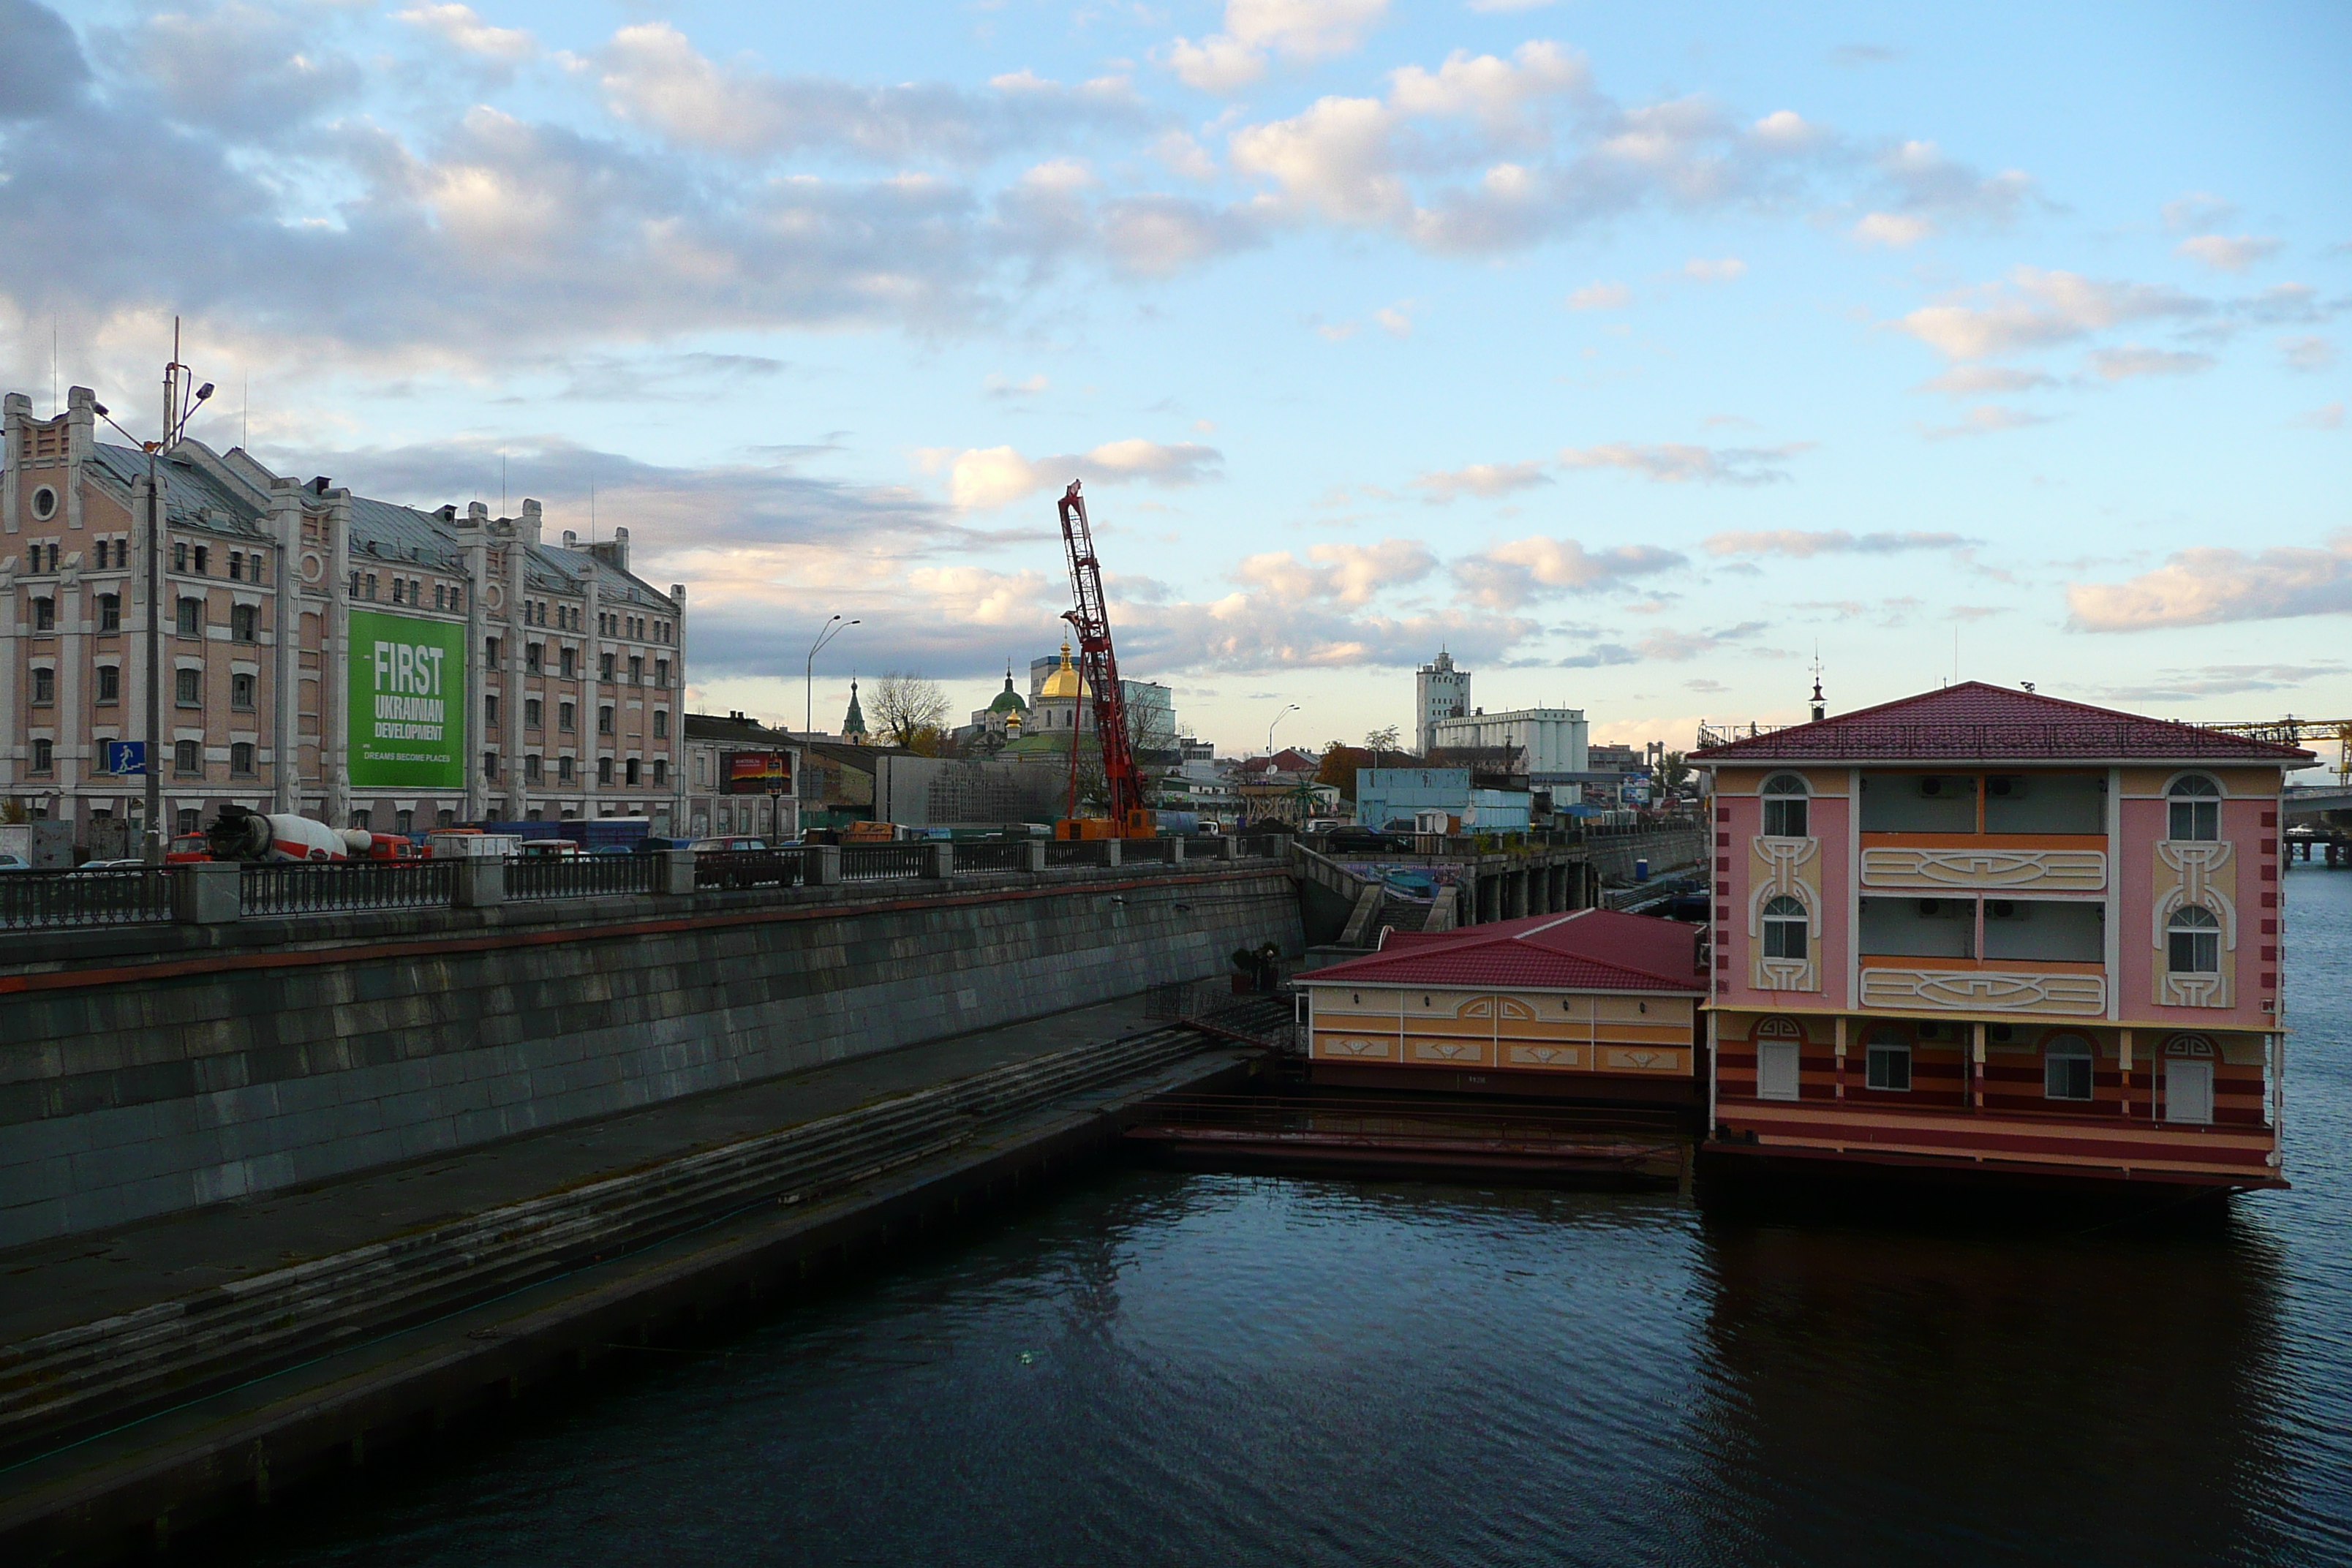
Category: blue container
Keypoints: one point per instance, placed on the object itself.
(1641, 870)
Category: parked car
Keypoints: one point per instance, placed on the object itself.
(1366, 840)
(651, 844)
(721, 846)
(549, 849)
(15, 863)
(130, 865)
(187, 848)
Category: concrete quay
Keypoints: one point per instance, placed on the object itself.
(168, 1373)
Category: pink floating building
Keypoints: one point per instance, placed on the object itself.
(1985, 931)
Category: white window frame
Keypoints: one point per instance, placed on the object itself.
(2056, 1051)
(2208, 932)
(1873, 1051)
(1777, 791)
(2179, 792)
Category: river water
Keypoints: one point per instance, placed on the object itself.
(1151, 1367)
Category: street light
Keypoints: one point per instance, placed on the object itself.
(1269, 729)
(175, 424)
(808, 673)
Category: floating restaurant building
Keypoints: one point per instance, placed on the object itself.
(1593, 1005)
(1980, 930)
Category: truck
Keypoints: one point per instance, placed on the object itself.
(240, 834)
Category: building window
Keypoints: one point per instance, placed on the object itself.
(241, 759)
(236, 566)
(457, 595)
(563, 769)
(566, 718)
(1887, 1062)
(187, 758)
(1784, 807)
(355, 585)
(188, 688)
(201, 568)
(240, 690)
(2196, 808)
(371, 587)
(110, 684)
(661, 672)
(629, 771)
(2193, 942)
(604, 770)
(661, 723)
(44, 503)
(440, 595)
(179, 555)
(44, 756)
(192, 618)
(245, 623)
(2066, 1069)
(604, 720)
(45, 688)
(1784, 927)
(110, 612)
(636, 670)
(404, 821)
(661, 771)
(604, 667)
(360, 820)
(45, 615)
(489, 710)
(398, 585)
(533, 655)
(531, 768)
(489, 653)
(569, 663)
(534, 713)
(489, 764)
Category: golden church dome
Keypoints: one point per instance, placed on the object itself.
(1063, 684)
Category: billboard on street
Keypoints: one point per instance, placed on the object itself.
(407, 694)
(759, 772)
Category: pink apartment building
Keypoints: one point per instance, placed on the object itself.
(1982, 931)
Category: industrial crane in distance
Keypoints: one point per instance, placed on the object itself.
(1131, 807)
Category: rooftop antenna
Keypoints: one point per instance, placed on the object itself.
(502, 484)
(1820, 708)
(244, 416)
(52, 367)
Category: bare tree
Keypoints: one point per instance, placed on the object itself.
(905, 706)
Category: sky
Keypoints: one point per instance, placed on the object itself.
(1638, 356)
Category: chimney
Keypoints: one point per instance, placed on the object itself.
(621, 548)
(571, 540)
(478, 511)
(531, 520)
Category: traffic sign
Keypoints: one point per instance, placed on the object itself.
(126, 756)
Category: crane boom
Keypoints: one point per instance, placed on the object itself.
(1131, 812)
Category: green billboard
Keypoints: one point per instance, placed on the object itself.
(408, 703)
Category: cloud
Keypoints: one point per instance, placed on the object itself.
(2038, 307)
(1851, 54)
(1484, 480)
(982, 478)
(2119, 365)
(999, 387)
(1802, 544)
(2220, 680)
(1508, 575)
(461, 29)
(2197, 210)
(2326, 416)
(1673, 463)
(1299, 30)
(1345, 573)
(2308, 352)
(1987, 419)
(1927, 184)
(1720, 271)
(1896, 231)
(2224, 253)
(1704, 688)
(243, 68)
(1972, 380)
(1505, 7)
(1600, 297)
(1601, 655)
(1394, 319)
(1679, 647)
(2210, 585)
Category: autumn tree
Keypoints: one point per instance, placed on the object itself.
(905, 706)
(1340, 762)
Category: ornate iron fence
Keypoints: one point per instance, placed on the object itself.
(1074, 852)
(881, 862)
(307, 887)
(135, 895)
(583, 876)
(749, 868)
(985, 855)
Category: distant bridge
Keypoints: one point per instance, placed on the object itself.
(2309, 800)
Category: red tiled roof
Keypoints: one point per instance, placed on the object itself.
(1981, 722)
(1589, 950)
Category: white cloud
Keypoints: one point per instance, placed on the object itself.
(1724, 270)
(1927, 181)
(1184, 157)
(462, 29)
(1974, 380)
(2308, 353)
(1600, 297)
(979, 478)
(2037, 308)
(2119, 365)
(1299, 30)
(2208, 585)
(2225, 253)
(1507, 7)
(2326, 416)
(1513, 574)
(2197, 210)
(1676, 463)
(1350, 574)
(1001, 386)
(1896, 231)
(1679, 647)
(1802, 544)
(1395, 319)
(1486, 480)
(1987, 419)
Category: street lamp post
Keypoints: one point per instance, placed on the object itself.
(1269, 729)
(175, 423)
(808, 673)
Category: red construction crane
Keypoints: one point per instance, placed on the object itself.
(1131, 807)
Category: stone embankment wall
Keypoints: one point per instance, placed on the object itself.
(143, 1073)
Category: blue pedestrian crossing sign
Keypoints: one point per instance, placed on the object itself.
(126, 756)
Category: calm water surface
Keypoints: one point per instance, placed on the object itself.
(1162, 1368)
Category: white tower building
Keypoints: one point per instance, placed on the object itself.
(1439, 692)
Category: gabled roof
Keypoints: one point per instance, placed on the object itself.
(1589, 950)
(1975, 721)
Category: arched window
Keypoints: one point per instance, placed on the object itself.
(1784, 929)
(1887, 1060)
(2066, 1068)
(2193, 942)
(1784, 807)
(2196, 808)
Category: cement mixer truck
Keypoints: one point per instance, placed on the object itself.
(242, 835)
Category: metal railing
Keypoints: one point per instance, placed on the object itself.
(881, 862)
(583, 876)
(983, 855)
(749, 868)
(1075, 852)
(305, 888)
(135, 895)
